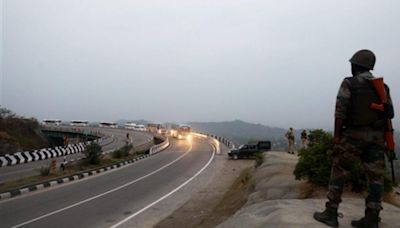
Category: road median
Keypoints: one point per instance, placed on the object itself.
(23, 186)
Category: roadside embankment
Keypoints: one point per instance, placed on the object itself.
(278, 200)
(119, 157)
(222, 194)
(18, 133)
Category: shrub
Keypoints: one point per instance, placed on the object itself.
(19, 133)
(117, 154)
(315, 163)
(92, 153)
(44, 170)
(122, 152)
(259, 158)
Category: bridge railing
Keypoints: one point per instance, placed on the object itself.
(223, 140)
(58, 151)
(42, 154)
(159, 147)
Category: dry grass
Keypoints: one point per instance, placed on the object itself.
(212, 209)
(232, 200)
(392, 198)
(9, 185)
(308, 190)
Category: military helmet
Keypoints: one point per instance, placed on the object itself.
(364, 58)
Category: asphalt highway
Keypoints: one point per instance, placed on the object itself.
(118, 140)
(112, 198)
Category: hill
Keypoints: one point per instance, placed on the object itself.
(18, 133)
(241, 132)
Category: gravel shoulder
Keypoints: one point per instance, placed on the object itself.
(219, 198)
(239, 195)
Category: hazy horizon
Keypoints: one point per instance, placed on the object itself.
(275, 63)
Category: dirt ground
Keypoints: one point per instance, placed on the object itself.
(238, 184)
(221, 198)
(278, 200)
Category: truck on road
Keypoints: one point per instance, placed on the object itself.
(250, 149)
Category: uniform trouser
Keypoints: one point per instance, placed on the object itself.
(367, 146)
(304, 143)
(291, 145)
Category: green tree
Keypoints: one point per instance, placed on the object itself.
(19, 133)
(93, 153)
(315, 163)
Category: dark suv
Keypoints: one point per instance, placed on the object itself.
(248, 150)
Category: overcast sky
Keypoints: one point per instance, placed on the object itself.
(278, 63)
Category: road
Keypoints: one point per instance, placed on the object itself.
(107, 200)
(119, 139)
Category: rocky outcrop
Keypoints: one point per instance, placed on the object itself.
(274, 178)
(276, 201)
(298, 213)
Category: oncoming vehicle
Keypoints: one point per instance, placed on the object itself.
(181, 131)
(250, 149)
(79, 123)
(154, 127)
(52, 122)
(108, 124)
(163, 130)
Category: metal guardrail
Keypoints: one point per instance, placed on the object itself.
(160, 147)
(216, 140)
(225, 141)
(72, 129)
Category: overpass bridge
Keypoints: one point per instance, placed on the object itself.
(127, 196)
(25, 164)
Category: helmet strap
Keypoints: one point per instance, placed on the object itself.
(357, 69)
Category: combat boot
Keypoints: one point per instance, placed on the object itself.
(329, 216)
(370, 220)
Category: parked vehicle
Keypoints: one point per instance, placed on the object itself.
(139, 127)
(130, 126)
(250, 149)
(52, 122)
(108, 124)
(79, 123)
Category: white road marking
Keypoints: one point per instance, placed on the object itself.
(168, 194)
(104, 193)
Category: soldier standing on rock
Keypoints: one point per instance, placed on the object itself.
(290, 137)
(359, 134)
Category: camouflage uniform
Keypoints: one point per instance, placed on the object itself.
(366, 143)
(304, 139)
(290, 136)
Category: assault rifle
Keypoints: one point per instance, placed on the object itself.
(379, 86)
